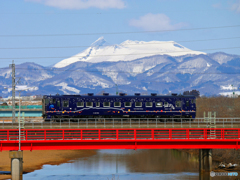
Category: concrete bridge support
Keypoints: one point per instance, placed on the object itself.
(205, 163)
(205, 160)
(16, 164)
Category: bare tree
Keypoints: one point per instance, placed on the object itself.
(192, 92)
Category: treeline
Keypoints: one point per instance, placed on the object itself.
(223, 106)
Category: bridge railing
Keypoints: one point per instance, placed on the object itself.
(39, 123)
(119, 134)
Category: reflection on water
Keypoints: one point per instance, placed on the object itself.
(124, 164)
(161, 161)
(164, 161)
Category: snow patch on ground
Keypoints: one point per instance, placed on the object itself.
(230, 94)
(168, 79)
(23, 88)
(102, 84)
(6, 73)
(229, 87)
(41, 78)
(196, 63)
(149, 73)
(222, 58)
(66, 87)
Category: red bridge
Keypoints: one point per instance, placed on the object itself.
(55, 139)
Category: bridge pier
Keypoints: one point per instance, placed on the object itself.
(205, 162)
(16, 164)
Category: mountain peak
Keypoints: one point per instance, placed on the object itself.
(99, 42)
(101, 51)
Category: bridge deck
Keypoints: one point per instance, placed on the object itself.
(184, 138)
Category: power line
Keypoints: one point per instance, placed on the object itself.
(118, 44)
(110, 33)
(155, 53)
(97, 13)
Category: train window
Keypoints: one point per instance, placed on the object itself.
(138, 104)
(89, 104)
(187, 103)
(158, 104)
(165, 104)
(128, 104)
(97, 104)
(65, 103)
(51, 101)
(58, 103)
(47, 101)
(106, 104)
(193, 101)
(117, 104)
(79, 104)
(178, 104)
(148, 104)
(54, 101)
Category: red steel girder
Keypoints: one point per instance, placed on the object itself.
(183, 138)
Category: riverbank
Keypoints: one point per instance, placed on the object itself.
(36, 159)
(221, 155)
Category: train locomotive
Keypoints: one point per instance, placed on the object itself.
(118, 106)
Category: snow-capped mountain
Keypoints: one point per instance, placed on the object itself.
(101, 51)
(135, 66)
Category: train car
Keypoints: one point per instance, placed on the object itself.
(118, 106)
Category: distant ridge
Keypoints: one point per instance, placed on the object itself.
(149, 68)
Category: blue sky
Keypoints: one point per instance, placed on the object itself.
(91, 19)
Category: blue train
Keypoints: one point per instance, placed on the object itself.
(122, 105)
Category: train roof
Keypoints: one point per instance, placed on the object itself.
(123, 95)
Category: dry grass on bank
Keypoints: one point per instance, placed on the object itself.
(223, 106)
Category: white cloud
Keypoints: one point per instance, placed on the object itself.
(155, 22)
(236, 6)
(82, 4)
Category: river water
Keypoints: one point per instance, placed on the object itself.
(124, 164)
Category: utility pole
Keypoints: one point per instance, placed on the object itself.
(13, 90)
